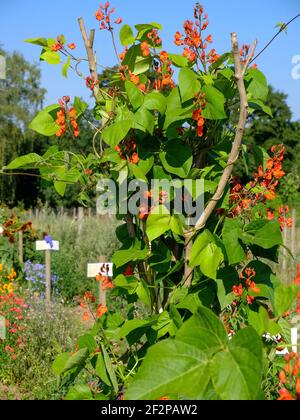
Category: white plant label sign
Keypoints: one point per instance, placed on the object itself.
(45, 246)
(2, 328)
(106, 269)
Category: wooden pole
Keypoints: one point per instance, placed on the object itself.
(20, 247)
(102, 293)
(48, 275)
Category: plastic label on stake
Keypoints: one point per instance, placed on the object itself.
(2, 328)
(45, 246)
(94, 269)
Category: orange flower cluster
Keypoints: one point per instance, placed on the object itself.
(247, 285)
(149, 203)
(12, 226)
(154, 41)
(282, 217)
(297, 279)
(290, 378)
(126, 73)
(195, 43)
(59, 45)
(88, 300)
(66, 116)
(12, 308)
(244, 198)
(91, 83)
(197, 114)
(103, 15)
(163, 73)
(127, 150)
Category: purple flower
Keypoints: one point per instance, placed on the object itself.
(49, 240)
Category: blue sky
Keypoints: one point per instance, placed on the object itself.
(33, 18)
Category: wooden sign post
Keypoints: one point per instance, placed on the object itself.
(20, 247)
(2, 328)
(106, 270)
(47, 248)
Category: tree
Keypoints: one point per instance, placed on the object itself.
(21, 96)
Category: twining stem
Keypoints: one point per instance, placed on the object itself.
(233, 157)
(89, 45)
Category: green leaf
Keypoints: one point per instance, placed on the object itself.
(215, 100)
(32, 160)
(170, 367)
(87, 341)
(37, 41)
(114, 134)
(256, 104)
(179, 60)
(51, 57)
(155, 101)
(66, 67)
(177, 159)
(206, 254)
(101, 370)
(144, 120)
(261, 156)
(257, 85)
(263, 233)
(231, 234)
(44, 123)
(135, 96)
(60, 187)
(284, 299)
(135, 61)
(127, 255)
(204, 330)
(126, 36)
(158, 223)
(80, 106)
(132, 325)
(110, 369)
(78, 359)
(237, 373)
(59, 363)
(210, 259)
(79, 392)
(189, 84)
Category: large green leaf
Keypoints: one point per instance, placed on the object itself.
(126, 35)
(51, 57)
(126, 255)
(37, 41)
(231, 234)
(32, 160)
(110, 369)
(59, 363)
(263, 233)
(177, 159)
(237, 373)
(206, 254)
(144, 120)
(214, 109)
(44, 123)
(189, 84)
(155, 101)
(170, 367)
(79, 392)
(204, 331)
(101, 370)
(135, 96)
(284, 299)
(257, 85)
(158, 223)
(78, 359)
(114, 134)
